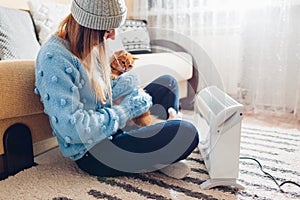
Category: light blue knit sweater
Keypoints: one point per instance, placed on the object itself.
(77, 119)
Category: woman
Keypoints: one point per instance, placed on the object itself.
(73, 80)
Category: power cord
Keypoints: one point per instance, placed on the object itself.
(270, 176)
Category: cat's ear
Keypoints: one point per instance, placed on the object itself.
(135, 58)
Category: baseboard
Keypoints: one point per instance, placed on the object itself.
(44, 146)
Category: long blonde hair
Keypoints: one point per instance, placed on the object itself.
(83, 42)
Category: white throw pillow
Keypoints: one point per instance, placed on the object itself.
(135, 36)
(47, 16)
(17, 36)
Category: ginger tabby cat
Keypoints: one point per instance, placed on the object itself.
(122, 61)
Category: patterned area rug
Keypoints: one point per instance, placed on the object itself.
(57, 178)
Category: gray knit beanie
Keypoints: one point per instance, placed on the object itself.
(99, 14)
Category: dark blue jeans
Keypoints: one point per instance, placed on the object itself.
(149, 148)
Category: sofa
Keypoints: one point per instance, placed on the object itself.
(24, 128)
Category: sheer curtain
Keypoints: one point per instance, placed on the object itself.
(254, 44)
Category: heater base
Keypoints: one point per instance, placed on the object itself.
(210, 183)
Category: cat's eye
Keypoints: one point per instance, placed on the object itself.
(123, 62)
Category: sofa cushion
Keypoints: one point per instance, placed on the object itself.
(17, 35)
(177, 64)
(47, 16)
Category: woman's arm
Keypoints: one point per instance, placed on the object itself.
(124, 84)
(59, 84)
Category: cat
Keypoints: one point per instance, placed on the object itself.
(122, 61)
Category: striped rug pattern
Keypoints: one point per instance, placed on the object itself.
(58, 178)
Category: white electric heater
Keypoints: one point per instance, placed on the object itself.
(218, 119)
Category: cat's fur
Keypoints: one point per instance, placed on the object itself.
(122, 61)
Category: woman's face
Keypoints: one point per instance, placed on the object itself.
(110, 34)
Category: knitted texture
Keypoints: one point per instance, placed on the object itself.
(124, 84)
(77, 119)
(99, 14)
(133, 105)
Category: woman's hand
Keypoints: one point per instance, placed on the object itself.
(137, 102)
(133, 105)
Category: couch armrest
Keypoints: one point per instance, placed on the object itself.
(20, 107)
(177, 64)
(17, 86)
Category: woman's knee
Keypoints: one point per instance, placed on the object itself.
(191, 130)
(172, 82)
(185, 131)
(167, 81)
(186, 139)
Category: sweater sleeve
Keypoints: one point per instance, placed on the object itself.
(58, 81)
(124, 84)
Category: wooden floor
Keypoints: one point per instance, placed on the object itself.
(288, 121)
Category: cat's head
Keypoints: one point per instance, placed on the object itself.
(122, 61)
